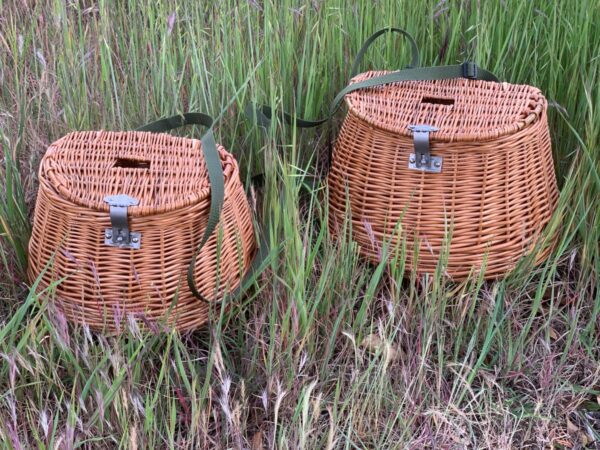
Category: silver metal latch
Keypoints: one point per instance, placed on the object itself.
(421, 159)
(119, 235)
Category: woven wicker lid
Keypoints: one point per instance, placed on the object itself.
(163, 172)
(462, 109)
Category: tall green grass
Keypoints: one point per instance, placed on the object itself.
(333, 352)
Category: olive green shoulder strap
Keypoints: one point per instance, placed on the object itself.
(263, 114)
(217, 197)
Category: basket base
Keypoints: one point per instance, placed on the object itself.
(459, 266)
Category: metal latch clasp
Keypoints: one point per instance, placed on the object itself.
(119, 235)
(421, 159)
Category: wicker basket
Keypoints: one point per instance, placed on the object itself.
(459, 167)
(443, 163)
(153, 189)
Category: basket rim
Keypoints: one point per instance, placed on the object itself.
(352, 101)
(49, 177)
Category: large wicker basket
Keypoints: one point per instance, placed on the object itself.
(90, 182)
(459, 169)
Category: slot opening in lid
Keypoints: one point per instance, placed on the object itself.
(129, 163)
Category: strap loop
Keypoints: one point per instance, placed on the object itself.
(361, 53)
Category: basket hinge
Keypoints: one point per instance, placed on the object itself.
(119, 235)
(421, 159)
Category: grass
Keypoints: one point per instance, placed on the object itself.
(333, 352)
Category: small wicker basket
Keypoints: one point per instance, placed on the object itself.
(118, 218)
(460, 167)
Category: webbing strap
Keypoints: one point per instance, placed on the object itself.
(415, 62)
(217, 194)
(215, 176)
(263, 114)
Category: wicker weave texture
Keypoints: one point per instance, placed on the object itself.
(495, 193)
(101, 285)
